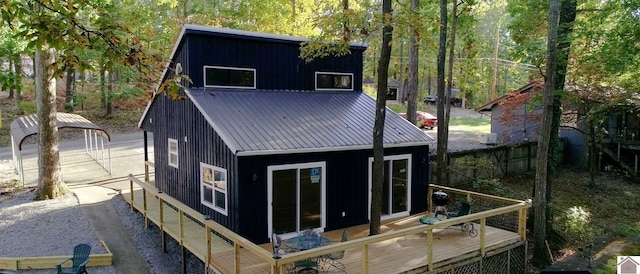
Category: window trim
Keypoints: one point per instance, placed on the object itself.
(334, 74)
(204, 80)
(323, 193)
(212, 205)
(169, 153)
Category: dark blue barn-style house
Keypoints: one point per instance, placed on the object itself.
(264, 142)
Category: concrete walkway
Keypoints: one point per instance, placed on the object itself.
(96, 206)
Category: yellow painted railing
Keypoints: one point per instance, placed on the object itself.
(278, 265)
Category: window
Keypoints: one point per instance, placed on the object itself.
(334, 81)
(213, 182)
(229, 77)
(173, 153)
(392, 94)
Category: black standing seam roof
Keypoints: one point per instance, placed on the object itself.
(261, 122)
(25, 126)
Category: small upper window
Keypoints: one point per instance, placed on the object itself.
(334, 81)
(229, 77)
(173, 152)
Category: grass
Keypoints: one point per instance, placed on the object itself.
(470, 124)
(608, 207)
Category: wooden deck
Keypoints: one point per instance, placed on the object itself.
(403, 244)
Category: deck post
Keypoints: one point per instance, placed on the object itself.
(180, 226)
(522, 223)
(184, 264)
(208, 237)
(429, 249)
(236, 257)
(483, 230)
(131, 193)
(144, 207)
(365, 258)
(164, 234)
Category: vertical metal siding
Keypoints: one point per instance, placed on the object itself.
(347, 187)
(177, 119)
(277, 65)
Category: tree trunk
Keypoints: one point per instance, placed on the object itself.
(113, 78)
(540, 256)
(68, 106)
(565, 28)
(447, 101)
(494, 82)
(11, 85)
(441, 165)
(412, 77)
(50, 184)
(19, 79)
(381, 102)
(103, 90)
(346, 30)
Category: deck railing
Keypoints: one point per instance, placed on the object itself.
(220, 238)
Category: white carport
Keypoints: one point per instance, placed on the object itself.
(94, 137)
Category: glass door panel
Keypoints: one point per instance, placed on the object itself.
(399, 186)
(284, 201)
(386, 190)
(310, 197)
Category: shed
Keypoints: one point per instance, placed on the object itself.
(513, 120)
(265, 143)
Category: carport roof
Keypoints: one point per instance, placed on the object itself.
(25, 126)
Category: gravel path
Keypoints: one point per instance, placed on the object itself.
(27, 227)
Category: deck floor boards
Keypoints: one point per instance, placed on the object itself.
(391, 256)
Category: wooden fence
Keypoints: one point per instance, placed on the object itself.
(498, 161)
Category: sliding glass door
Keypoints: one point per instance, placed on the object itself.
(296, 197)
(396, 187)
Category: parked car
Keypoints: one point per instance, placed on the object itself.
(433, 99)
(424, 119)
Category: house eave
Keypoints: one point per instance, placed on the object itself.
(324, 149)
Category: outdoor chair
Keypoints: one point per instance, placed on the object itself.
(276, 241)
(308, 265)
(465, 209)
(80, 259)
(333, 259)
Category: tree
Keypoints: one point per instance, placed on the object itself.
(52, 27)
(378, 128)
(540, 258)
(412, 77)
(441, 163)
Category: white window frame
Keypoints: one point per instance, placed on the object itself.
(170, 153)
(204, 73)
(333, 73)
(409, 164)
(211, 183)
(323, 193)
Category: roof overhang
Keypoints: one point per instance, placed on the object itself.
(25, 126)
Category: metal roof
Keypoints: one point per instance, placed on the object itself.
(25, 126)
(225, 32)
(261, 122)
